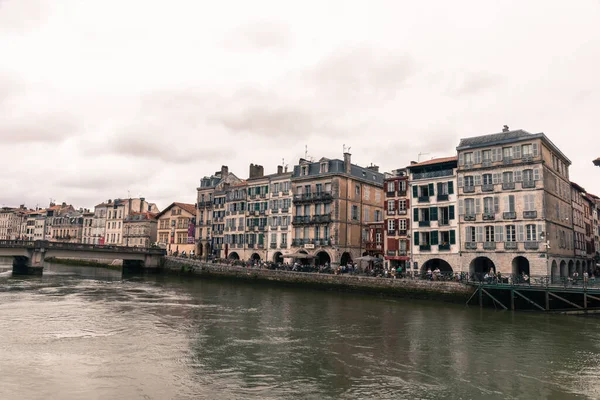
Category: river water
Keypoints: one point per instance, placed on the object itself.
(64, 336)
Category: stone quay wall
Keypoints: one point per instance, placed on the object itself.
(409, 288)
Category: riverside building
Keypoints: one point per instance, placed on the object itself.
(396, 209)
(434, 229)
(514, 204)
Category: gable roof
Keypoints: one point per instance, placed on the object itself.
(191, 208)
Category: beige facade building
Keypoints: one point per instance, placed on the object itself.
(117, 211)
(176, 228)
(87, 236)
(12, 222)
(434, 229)
(99, 224)
(514, 204)
(140, 229)
(334, 201)
(235, 217)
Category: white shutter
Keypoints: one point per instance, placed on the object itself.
(536, 174)
(499, 233)
(479, 233)
(506, 204)
(461, 207)
(477, 206)
(540, 229)
(461, 159)
(518, 176)
(535, 149)
(460, 181)
(499, 154)
(477, 179)
(496, 204)
(477, 155)
(517, 151)
(494, 158)
(520, 233)
(496, 178)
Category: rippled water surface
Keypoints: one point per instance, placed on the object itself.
(68, 337)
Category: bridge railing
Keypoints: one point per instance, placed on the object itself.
(45, 244)
(539, 281)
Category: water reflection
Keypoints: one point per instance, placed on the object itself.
(169, 338)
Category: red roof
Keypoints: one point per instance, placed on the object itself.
(191, 208)
(435, 161)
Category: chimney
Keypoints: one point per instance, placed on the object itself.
(505, 129)
(251, 171)
(347, 162)
(224, 171)
(285, 169)
(256, 171)
(279, 169)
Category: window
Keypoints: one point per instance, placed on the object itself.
(367, 193)
(424, 190)
(468, 158)
(402, 205)
(507, 177)
(444, 237)
(469, 207)
(507, 153)
(530, 233)
(424, 238)
(357, 190)
(442, 188)
(323, 167)
(377, 215)
(529, 202)
(487, 156)
(402, 224)
(489, 233)
(304, 170)
(391, 225)
(366, 214)
(424, 214)
(391, 206)
(319, 187)
(527, 150)
(355, 213)
(509, 203)
(402, 186)
(402, 245)
(487, 179)
(469, 181)
(390, 187)
(528, 175)
(488, 205)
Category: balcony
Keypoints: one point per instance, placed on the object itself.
(274, 211)
(470, 217)
(401, 212)
(468, 189)
(507, 160)
(313, 197)
(487, 187)
(263, 195)
(240, 228)
(509, 215)
(261, 246)
(510, 246)
(529, 214)
(486, 163)
(489, 216)
(471, 245)
(423, 199)
(391, 212)
(250, 245)
(391, 233)
(468, 165)
(444, 247)
(528, 184)
(261, 227)
(508, 185)
(390, 194)
(489, 245)
(273, 245)
(442, 197)
(321, 219)
(299, 220)
(432, 174)
(532, 245)
(443, 222)
(527, 158)
(284, 245)
(424, 223)
(401, 193)
(425, 247)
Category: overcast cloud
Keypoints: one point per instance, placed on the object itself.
(101, 99)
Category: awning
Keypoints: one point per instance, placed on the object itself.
(301, 256)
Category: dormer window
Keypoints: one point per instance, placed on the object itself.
(324, 167)
(304, 170)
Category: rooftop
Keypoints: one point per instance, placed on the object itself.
(495, 138)
(440, 160)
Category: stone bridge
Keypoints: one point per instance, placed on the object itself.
(28, 256)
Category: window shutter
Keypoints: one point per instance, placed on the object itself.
(499, 233)
(517, 151)
(452, 237)
(494, 158)
(477, 155)
(450, 187)
(439, 188)
(385, 205)
(461, 207)
(540, 229)
(535, 149)
(461, 159)
(431, 187)
(433, 214)
(451, 212)
(520, 233)
(536, 174)
(479, 233)
(477, 180)
(496, 204)
(506, 204)
(460, 181)
(415, 214)
(434, 237)
(407, 203)
(416, 238)
(407, 224)
(477, 206)
(499, 154)
(415, 191)
(518, 176)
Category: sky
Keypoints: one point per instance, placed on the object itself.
(116, 98)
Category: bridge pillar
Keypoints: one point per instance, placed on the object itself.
(23, 265)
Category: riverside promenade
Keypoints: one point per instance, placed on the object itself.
(408, 288)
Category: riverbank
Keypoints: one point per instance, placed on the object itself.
(408, 288)
(83, 263)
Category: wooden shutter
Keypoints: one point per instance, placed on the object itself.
(479, 233)
(517, 151)
(477, 156)
(452, 237)
(451, 212)
(496, 204)
(494, 158)
(518, 176)
(477, 180)
(499, 154)
(461, 159)
(540, 229)
(433, 213)
(431, 191)
(520, 233)
(450, 187)
(392, 244)
(461, 207)
(460, 181)
(416, 238)
(536, 174)
(499, 233)
(477, 206)
(415, 191)
(415, 214)
(439, 188)
(535, 149)
(434, 237)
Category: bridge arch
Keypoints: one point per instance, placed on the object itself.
(346, 258)
(520, 265)
(482, 265)
(323, 258)
(434, 263)
(233, 256)
(278, 257)
(255, 257)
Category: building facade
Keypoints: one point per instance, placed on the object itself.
(397, 220)
(333, 202)
(140, 229)
(99, 223)
(280, 215)
(12, 222)
(514, 204)
(435, 229)
(117, 211)
(176, 230)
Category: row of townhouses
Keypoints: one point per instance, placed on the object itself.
(504, 202)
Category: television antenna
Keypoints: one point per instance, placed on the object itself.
(419, 156)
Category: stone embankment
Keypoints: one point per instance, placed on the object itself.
(411, 288)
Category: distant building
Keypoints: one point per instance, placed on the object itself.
(396, 209)
(87, 234)
(117, 212)
(12, 222)
(176, 230)
(140, 229)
